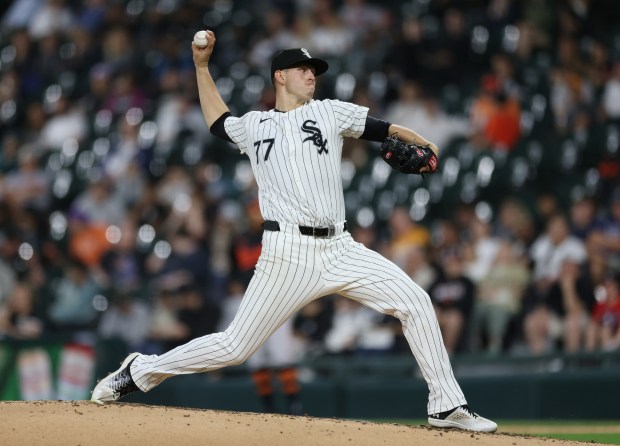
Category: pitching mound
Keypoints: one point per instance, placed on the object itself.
(83, 423)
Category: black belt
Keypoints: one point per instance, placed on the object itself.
(329, 231)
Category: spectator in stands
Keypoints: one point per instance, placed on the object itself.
(574, 291)
(119, 54)
(536, 28)
(407, 104)
(362, 16)
(49, 63)
(503, 129)
(598, 66)
(367, 235)
(453, 298)
(197, 313)
(514, 221)
(125, 94)
(551, 249)
(424, 112)
(330, 37)
(50, 17)
(358, 330)
(503, 71)
(312, 324)
(371, 25)
(611, 94)
(67, 123)
(99, 82)
(98, 204)
(583, 212)
(125, 152)
(552, 254)
(499, 13)
(479, 250)
(8, 276)
(546, 206)
(495, 116)
(28, 187)
(178, 116)
(275, 36)
(446, 240)
(87, 241)
(247, 245)
(498, 297)
(453, 50)
(19, 317)
(10, 84)
(72, 306)
(122, 266)
(187, 256)
(405, 233)
(127, 319)
(405, 58)
(419, 268)
(605, 238)
(83, 38)
(166, 331)
(35, 120)
(570, 92)
(8, 155)
(604, 332)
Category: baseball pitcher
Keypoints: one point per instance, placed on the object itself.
(295, 150)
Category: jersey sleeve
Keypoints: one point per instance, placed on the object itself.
(236, 129)
(350, 118)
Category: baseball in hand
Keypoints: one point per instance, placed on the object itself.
(200, 39)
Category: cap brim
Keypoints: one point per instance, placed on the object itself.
(320, 66)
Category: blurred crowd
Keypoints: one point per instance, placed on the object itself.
(122, 217)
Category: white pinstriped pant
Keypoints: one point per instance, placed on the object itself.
(292, 271)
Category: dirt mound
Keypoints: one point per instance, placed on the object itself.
(83, 423)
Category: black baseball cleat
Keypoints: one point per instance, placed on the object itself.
(462, 417)
(116, 385)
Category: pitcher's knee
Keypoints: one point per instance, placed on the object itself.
(237, 358)
(236, 353)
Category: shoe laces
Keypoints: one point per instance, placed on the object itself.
(122, 383)
(467, 409)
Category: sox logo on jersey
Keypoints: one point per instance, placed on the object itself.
(315, 135)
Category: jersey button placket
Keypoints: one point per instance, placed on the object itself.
(295, 145)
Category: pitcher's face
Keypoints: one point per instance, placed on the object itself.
(300, 81)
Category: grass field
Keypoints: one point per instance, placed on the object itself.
(606, 432)
(589, 438)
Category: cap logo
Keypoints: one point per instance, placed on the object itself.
(306, 53)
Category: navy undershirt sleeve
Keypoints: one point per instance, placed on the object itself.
(375, 129)
(218, 129)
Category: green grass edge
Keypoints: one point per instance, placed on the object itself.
(603, 438)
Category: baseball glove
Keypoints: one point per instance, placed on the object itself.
(408, 158)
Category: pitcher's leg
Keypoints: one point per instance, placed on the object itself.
(277, 290)
(372, 280)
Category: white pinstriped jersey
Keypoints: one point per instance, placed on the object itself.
(296, 158)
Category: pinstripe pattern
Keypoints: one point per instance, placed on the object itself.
(295, 158)
(365, 276)
(292, 271)
(297, 184)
